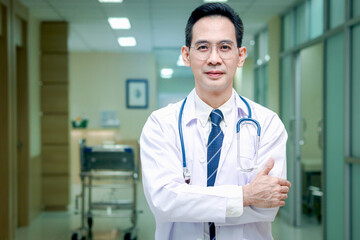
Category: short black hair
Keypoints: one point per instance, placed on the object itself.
(214, 9)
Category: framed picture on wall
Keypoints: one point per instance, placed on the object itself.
(137, 93)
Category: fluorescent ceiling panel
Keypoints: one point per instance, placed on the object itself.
(166, 72)
(211, 1)
(127, 41)
(111, 1)
(119, 23)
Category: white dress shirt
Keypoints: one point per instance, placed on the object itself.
(181, 209)
(234, 204)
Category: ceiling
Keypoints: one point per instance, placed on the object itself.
(157, 25)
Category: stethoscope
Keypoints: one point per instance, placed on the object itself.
(241, 122)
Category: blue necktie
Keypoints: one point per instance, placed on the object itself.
(213, 154)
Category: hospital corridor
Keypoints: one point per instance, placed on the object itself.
(80, 78)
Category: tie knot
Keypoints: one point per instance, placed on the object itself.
(216, 116)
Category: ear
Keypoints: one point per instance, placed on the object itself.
(185, 55)
(242, 56)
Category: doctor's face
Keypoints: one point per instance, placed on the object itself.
(213, 55)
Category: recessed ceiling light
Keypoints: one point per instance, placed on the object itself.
(111, 1)
(166, 72)
(127, 41)
(211, 1)
(119, 23)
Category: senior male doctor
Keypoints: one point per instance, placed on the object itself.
(219, 201)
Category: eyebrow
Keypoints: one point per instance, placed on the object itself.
(207, 42)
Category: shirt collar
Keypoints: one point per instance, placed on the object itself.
(189, 114)
(203, 110)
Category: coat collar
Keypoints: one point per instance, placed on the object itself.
(243, 111)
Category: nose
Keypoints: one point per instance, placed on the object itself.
(214, 58)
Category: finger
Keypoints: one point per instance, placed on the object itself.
(284, 189)
(281, 203)
(269, 165)
(284, 196)
(284, 182)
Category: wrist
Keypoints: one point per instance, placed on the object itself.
(246, 196)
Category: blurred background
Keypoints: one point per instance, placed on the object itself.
(96, 69)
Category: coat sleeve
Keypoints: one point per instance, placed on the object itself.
(273, 145)
(169, 197)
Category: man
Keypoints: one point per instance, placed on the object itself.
(219, 200)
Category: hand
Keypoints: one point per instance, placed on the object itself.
(266, 191)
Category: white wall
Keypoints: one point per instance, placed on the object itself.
(98, 82)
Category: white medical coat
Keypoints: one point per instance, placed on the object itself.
(181, 210)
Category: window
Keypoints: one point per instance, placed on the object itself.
(261, 67)
(356, 8)
(337, 13)
(355, 128)
(288, 34)
(316, 18)
(302, 33)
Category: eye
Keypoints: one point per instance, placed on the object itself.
(225, 47)
(202, 47)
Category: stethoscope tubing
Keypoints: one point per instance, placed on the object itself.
(181, 133)
(186, 171)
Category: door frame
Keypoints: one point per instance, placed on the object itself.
(22, 125)
(297, 139)
(6, 193)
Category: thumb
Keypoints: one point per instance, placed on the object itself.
(269, 165)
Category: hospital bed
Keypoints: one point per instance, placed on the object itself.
(106, 167)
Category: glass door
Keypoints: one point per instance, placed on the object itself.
(353, 159)
(311, 142)
(334, 128)
(289, 211)
(302, 114)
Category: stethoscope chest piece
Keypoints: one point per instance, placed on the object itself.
(187, 175)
